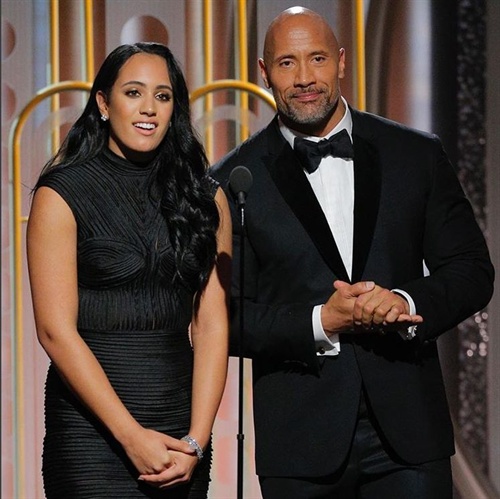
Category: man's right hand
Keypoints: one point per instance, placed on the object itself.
(337, 312)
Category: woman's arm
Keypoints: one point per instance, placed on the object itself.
(209, 336)
(52, 264)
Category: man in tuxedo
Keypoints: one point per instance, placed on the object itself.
(340, 317)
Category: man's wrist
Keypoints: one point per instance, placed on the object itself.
(410, 332)
(324, 343)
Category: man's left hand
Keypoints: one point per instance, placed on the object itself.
(380, 308)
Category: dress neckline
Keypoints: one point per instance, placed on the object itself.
(122, 165)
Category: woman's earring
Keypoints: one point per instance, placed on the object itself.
(104, 117)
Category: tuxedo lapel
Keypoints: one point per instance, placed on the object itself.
(293, 185)
(367, 184)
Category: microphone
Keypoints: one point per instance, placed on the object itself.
(240, 182)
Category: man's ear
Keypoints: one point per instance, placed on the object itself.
(102, 102)
(341, 71)
(263, 73)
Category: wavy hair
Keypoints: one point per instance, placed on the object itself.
(186, 190)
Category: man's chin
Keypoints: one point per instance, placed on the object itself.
(309, 116)
(308, 120)
(305, 124)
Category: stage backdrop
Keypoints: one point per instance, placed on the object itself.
(425, 66)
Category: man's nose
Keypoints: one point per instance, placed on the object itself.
(304, 76)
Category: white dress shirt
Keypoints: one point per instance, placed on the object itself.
(333, 185)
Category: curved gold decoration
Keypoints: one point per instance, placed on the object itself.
(207, 67)
(89, 40)
(18, 220)
(243, 61)
(246, 86)
(54, 64)
(360, 55)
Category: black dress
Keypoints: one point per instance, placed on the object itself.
(134, 321)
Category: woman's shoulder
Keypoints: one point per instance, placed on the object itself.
(72, 182)
(67, 173)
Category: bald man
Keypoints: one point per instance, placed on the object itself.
(340, 320)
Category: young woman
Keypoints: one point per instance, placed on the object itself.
(129, 248)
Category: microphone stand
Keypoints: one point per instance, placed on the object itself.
(241, 436)
(240, 182)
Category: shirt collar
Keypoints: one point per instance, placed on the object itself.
(345, 122)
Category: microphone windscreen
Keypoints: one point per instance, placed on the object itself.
(240, 180)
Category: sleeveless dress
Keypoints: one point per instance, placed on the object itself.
(134, 321)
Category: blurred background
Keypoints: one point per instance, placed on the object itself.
(433, 65)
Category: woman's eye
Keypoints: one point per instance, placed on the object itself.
(132, 93)
(164, 97)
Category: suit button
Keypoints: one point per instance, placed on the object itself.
(321, 351)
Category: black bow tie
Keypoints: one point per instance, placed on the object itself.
(310, 153)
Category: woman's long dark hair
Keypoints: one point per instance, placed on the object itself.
(186, 193)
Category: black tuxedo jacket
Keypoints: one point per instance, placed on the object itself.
(409, 208)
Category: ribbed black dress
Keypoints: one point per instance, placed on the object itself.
(136, 324)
